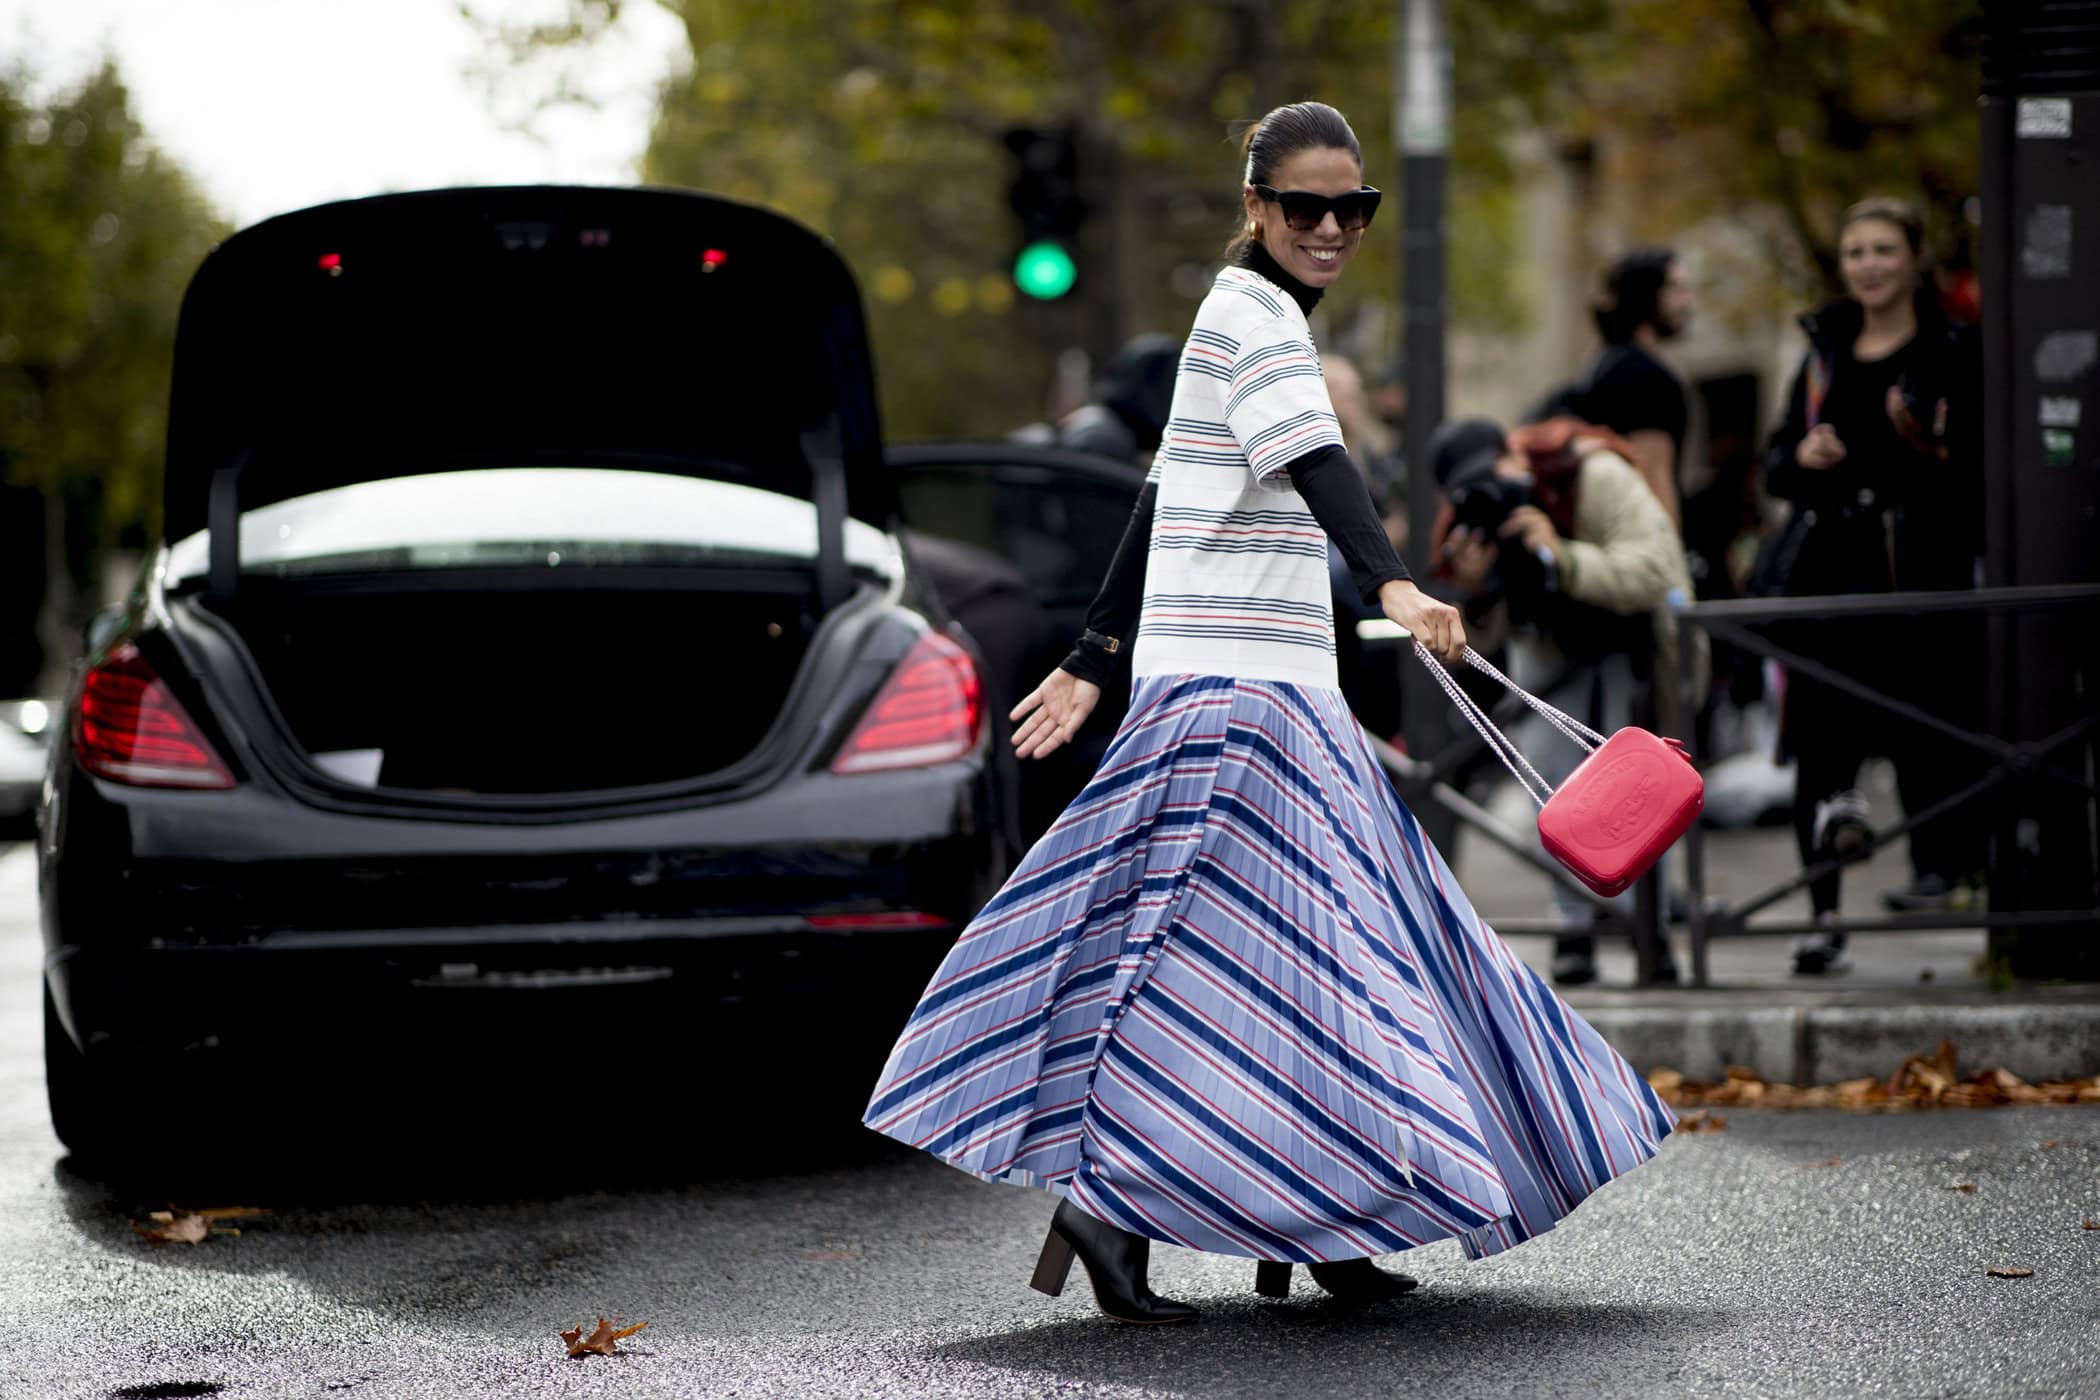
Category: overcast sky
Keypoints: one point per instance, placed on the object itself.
(277, 104)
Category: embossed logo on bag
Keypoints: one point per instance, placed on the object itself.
(1610, 803)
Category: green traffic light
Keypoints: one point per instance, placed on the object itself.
(1045, 271)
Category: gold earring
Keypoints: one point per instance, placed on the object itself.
(1254, 229)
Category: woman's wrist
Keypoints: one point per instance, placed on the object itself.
(1397, 593)
(1085, 665)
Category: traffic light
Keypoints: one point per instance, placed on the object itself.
(1045, 199)
(1044, 269)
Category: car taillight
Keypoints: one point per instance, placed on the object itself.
(928, 711)
(129, 729)
(876, 919)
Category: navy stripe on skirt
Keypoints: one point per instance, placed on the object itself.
(1234, 1000)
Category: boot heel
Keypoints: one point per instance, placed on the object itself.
(1054, 1266)
(1272, 1279)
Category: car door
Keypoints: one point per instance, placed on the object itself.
(1016, 540)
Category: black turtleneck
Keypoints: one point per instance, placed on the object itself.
(1256, 258)
(1333, 490)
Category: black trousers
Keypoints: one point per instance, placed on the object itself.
(1831, 734)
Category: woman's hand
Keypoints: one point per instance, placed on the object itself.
(1054, 711)
(1435, 625)
(1820, 450)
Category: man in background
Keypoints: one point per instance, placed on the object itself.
(1128, 412)
(1647, 301)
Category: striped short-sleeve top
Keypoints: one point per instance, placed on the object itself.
(1236, 580)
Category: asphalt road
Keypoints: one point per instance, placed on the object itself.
(1740, 1263)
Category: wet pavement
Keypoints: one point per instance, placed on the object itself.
(1809, 1254)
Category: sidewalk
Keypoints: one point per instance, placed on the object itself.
(1904, 994)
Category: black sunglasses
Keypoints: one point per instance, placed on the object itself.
(1303, 210)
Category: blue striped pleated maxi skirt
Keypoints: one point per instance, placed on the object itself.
(1234, 1000)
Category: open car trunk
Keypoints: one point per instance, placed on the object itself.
(389, 337)
(464, 689)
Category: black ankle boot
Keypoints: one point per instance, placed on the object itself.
(1359, 1280)
(1115, 1264)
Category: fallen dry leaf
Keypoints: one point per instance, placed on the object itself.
(177, 1226)
(1699, 1120)
(171, 1228)
(1922, 1081)
(2090, 1225)
(1967, 1188)
(601, 1339)
(2007, 1271)
(1825, 1162)
(2049, 1143)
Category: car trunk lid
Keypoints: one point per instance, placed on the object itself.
(372, 338)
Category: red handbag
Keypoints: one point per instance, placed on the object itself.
(1619, 811)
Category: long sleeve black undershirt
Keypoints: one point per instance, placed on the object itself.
(1334, 492)
(1115, 609)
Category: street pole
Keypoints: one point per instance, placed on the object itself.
(1422, 135)
(2040, 139)
(1422, 132)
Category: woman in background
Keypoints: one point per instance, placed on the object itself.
(1877, 453)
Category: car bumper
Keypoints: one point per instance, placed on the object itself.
(360, 996)
(183, 923)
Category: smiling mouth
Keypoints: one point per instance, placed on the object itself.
(1321, 255)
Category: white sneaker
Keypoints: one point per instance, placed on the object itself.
(1822, 952)
(1841, 828)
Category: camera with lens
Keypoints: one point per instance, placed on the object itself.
(1482, 498)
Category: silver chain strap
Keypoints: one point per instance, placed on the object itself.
(1585, 738)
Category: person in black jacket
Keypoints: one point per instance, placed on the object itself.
(1879, 455)
(1128, 412)
(1647, 301)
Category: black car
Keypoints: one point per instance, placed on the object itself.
(536, 646)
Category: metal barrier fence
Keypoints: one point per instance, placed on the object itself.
(1733, 621)
(1435, 778)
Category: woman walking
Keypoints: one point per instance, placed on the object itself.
(1233, 999)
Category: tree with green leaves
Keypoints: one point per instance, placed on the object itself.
(879, 123)
(1789, 108)
(99, 233)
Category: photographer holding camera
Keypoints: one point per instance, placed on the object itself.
(1553, 539)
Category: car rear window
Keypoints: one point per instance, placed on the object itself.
(549, 516)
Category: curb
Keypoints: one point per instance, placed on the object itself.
(1830, 1044)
